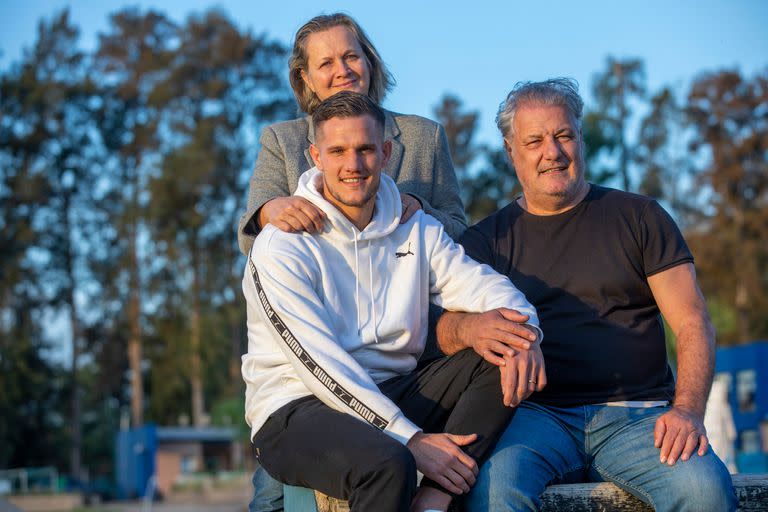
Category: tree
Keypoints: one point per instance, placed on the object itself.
(131, 59)
(219, 78)
(666, 169)
(460, 126)
(56, 119)
(730, 117)
(483, 190)
(614, 88)
(494, 185)
(47, 118)
(597, 147)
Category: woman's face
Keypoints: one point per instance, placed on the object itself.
(335, 62)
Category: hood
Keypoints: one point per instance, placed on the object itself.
(386, 213)
(386, 218)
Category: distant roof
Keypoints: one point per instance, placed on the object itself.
(195, 434)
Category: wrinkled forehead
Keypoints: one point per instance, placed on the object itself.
(322, 43)
(538, 116)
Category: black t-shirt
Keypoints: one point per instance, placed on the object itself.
(586, 272)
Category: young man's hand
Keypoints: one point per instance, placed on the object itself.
(440, 458)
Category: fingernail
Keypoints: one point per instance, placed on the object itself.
(663, 459)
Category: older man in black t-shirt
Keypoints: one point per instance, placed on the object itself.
(601, 266)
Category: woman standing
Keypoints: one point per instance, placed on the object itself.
(331, 53)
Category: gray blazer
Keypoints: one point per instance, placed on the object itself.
(420, 164)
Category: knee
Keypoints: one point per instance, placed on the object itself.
(396, 467)
(267, 492)
(400, 465)
(705, 486)
(504, 483)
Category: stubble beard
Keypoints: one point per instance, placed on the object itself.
(369, 195)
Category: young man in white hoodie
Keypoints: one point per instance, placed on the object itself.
(337, 321)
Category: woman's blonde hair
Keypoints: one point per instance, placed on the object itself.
(381, 79)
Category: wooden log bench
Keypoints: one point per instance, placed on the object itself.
(752, 491)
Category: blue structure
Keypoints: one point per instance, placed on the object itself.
(747, 368)
(137, 451)
(135, 460)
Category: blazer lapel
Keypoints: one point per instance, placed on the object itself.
(392, 132)
(311, 139)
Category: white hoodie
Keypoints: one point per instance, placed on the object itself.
(334, 313)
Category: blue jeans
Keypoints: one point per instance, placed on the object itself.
(550, 445)
(267, 493)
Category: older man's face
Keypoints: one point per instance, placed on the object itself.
(547, 153)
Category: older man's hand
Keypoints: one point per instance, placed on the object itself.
(522, 374)
(496, 334)
(677, 434)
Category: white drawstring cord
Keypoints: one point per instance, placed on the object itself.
(373, 298)
(357, 287)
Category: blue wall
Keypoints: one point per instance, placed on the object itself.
(135, 460)
(753, 356)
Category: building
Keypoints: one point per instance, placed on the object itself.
(169, 453)
(745, 368)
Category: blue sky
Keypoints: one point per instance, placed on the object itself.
(478, 50)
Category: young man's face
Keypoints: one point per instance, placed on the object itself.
(350, 152)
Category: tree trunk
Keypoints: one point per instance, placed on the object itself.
(196, 378)
(76, 448)
(236, 333)
(134, 323)
(75, 458)
(623, 150)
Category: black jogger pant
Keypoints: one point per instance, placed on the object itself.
(306, 443)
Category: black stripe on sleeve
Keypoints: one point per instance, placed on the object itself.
(315, 369)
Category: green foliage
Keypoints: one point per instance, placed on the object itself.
(493, 183)
(122, 172)
(597, 144)
(32, 401)
(729, 114)
(670, 341)
(614, 88)
(229, 412)
(723, 317)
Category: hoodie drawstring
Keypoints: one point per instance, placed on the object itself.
(357, 286)
(370, 286)
(373, 298)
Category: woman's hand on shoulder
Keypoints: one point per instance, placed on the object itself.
(292, 214)
(410, 206)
